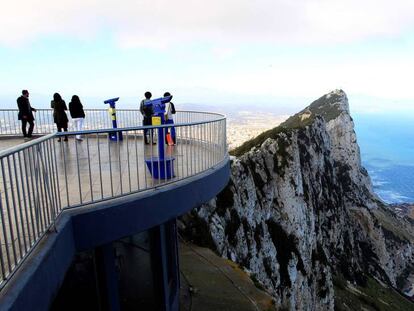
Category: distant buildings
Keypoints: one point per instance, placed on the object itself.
(248, 125)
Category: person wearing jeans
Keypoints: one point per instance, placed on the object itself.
(78, 114)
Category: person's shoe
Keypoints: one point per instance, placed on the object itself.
(154, 143)
(66, 139)
(59, 140)
(79, 139)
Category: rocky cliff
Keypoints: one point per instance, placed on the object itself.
(299, 211)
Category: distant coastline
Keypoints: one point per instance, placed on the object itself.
(387, 151)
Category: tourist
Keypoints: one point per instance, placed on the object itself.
(147, 113)
(26, 113)
(170, 110)
(77, 114)
(59, 114)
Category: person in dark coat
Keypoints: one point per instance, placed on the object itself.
(147, 113)
(59, 113)
(77, 114)
(26, 113)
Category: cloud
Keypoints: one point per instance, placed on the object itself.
(223, 52)
(162, 23)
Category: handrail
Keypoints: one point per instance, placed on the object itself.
(95, 119)
(25, 145)
(41, 178)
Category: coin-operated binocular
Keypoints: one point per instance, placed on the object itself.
(112, 113)
(161, 167)
(158, 107)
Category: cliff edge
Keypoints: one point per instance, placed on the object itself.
(299, 212)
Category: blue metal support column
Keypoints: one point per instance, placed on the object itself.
(159, 266)
(106, 278)
(159, 259)
(175, 273)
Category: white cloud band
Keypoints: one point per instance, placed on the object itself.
(159, 23)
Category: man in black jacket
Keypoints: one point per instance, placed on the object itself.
(26, 113)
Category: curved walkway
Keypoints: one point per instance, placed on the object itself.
(41, 178)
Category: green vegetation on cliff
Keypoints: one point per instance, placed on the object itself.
(257, 141)
(373, 296)
(328, 106)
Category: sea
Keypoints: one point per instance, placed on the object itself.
(387, 151)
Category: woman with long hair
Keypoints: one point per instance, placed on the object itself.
(77, 114)
(59, 113)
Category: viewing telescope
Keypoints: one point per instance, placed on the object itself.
(111, 102)
(158, 104)
(112, 113)
(161, 167)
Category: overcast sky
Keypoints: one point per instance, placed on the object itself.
(212, 51)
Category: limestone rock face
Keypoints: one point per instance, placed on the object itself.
(299, 208)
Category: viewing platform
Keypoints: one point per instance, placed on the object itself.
(99, 189)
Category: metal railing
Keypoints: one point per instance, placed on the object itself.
(41, 178)
(95, 119)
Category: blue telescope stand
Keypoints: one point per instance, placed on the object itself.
(161, 167)
(112, 111)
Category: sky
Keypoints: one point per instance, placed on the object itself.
(262, 53)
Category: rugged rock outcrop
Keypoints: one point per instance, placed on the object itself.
(299, 209)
